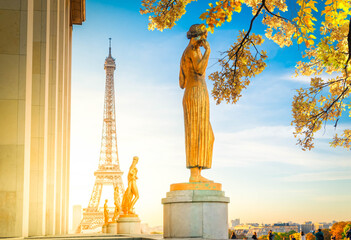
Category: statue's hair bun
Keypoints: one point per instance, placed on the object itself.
(195, 31)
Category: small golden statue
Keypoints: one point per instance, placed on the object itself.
(131, 195)
(106, 212)
(199, 136)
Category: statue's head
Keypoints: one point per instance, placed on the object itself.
(106, 200)
(197, 30)
(135, 159)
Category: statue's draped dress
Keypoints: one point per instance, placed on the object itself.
(199, 136)
(128, 195)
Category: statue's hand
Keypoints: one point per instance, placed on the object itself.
(205, 44)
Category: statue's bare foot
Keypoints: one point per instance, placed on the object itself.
(195, 175)
(199, 179)
(202, 179)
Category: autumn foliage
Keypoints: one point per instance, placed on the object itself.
(327, 99)
(327, 234)
(310, 236)
(339, 229)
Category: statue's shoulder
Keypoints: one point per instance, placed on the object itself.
(190, 49)
(188, 53)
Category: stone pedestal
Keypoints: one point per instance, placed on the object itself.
(112, 228)
(195, 213)
(104, 228)
(128, 224)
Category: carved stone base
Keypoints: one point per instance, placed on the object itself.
(104, 228)
(196, 186)
(195, 214)
(129, 224)
(112, 228)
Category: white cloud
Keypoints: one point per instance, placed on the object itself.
(270, 144)
(320, 176)
(306, 79)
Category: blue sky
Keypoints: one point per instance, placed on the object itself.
(267, 176)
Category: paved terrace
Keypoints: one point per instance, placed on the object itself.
(96, 236)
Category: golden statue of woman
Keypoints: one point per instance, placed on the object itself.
(199, 136)
(131, 195)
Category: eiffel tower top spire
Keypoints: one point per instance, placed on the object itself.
(110, 61)
(109, 49)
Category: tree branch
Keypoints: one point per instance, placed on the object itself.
(349, 45)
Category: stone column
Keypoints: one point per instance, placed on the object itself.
(51, 98)
(16, 51)
(66, 118)
(59, 116)
(68, 128)
(37, 190)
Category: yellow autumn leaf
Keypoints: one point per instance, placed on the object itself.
(310, 41)
(203, 15)
(299, 40)
(314, 8)
(229, 18)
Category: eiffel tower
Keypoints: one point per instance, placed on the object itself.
(108, 172)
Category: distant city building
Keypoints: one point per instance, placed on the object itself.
(253, 224)
(280, 224)
(145, 229)
(248, 230)
(242, 227)
(322, 225)
(307, 227)
(235, 222)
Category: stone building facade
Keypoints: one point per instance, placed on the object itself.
(35, 90)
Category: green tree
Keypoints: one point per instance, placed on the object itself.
(326, 100)
(278, 236)
(346, 228)
(263, 237)
(283, 235)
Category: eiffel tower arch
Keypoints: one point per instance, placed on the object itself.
(108, 172)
